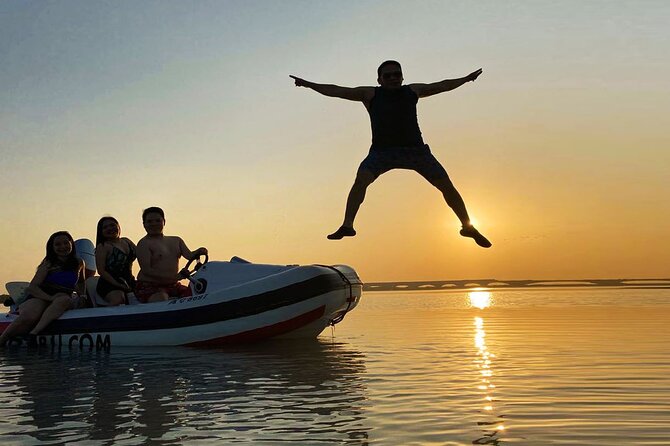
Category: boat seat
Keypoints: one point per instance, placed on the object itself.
(17, 291)
(97, 300)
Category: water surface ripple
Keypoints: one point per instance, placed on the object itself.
(526, 367)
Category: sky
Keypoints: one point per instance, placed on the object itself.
(560, 149)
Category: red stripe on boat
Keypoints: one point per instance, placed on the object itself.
(265, 332)
(3, 326)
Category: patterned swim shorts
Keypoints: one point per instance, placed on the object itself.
(144, 290)
(419, 159)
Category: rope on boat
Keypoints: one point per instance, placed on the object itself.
(346, 280)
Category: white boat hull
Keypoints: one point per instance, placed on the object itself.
(242, 302)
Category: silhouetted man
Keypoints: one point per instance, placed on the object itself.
(158, 256)
(396, 140)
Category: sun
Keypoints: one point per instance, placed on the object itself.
(480, 299)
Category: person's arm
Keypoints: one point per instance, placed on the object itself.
(132, 249)
(360, 94)
(80, 286)
(131, 245)
(188, 254)
(424, 90)
(101, 253)
(34, 287)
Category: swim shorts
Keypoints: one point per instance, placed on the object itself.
(144, 290)
(103, 288)
(419, 159)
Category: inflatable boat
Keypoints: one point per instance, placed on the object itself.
(232, 302)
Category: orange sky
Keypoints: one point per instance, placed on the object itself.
(560, 149)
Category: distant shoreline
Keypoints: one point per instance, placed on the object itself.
(505, 284)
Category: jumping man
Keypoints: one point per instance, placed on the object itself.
(396, 140)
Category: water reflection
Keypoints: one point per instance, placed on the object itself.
(262, 394)
(492, 424)
(480, 299)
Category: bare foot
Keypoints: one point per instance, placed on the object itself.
(342, 232)
(470, 231)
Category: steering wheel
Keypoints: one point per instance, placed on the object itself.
(186, 272)
(199, 285)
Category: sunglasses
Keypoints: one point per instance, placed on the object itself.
(391, 74)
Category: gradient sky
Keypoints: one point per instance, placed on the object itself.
(560, 149)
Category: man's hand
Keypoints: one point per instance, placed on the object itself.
(202, 251)
(298, 81)
(474, 75)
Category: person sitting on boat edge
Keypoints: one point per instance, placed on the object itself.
(115, 256)
(52, 291)
(158, 256)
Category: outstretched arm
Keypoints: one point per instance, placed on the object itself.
(361, 94)
(424, 90)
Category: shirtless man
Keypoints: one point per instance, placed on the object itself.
(158, 256)
(396, 140)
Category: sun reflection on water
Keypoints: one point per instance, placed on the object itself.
(491, 427)
(480, 299)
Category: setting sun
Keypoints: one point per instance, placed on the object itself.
(479, 299)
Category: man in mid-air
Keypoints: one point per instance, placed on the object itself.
(396, 140)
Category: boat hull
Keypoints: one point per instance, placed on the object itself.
(242, 303)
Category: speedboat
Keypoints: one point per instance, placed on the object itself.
(232, 302)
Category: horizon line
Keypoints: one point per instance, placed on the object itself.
(523, 283)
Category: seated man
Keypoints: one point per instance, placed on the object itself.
(158, 256)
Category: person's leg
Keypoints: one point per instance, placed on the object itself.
(158, 297)
(147, 292)
(58, 306)
(431, 169)
(183, 290)
(453, 198)
(116, 297)
(177, 291)
(456, 203)
(364, 178)
(29, 313)
(356, 196)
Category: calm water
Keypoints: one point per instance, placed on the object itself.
(527, 367)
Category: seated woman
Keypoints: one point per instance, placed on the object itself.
(114, 256)
(51, 292)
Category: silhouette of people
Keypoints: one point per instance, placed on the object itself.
(51, 292)
(158, 256)
(396, 140)
(114, 256)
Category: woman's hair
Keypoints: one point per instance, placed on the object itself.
(99, 238)
(72, 262)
